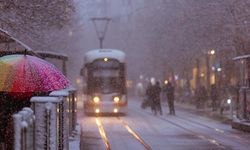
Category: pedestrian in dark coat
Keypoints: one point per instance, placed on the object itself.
(156, 91)
(150, 96)
(170, 96)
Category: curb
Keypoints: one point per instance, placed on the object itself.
(223, 118)
(241, 125)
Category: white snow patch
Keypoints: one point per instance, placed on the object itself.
(59, 93)
(44, 99)
(104, 53)
(74, 142)
(52, 53)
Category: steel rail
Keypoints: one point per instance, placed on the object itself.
(103, 134)
(134, 134)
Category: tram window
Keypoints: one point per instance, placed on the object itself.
(106, 73)
(108, 64)
(106, 85)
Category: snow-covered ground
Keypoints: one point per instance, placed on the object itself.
(140, 129)
(74, 141)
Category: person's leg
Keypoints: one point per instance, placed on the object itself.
(160, 108)
(173, 107)
(213, 104)
(154, 107)
(221, 110)
(169, 106)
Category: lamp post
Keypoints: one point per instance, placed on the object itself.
(208, 54)
(101, 26)
(230, 103)
(198, 82)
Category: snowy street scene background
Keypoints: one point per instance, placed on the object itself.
(125, 75)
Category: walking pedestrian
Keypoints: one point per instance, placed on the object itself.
(150, 97)
(170, 96)
(156, 91)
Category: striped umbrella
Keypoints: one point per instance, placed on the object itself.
(26, 74)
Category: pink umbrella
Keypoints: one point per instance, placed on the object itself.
(27, 74)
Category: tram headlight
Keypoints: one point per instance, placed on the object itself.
(116, 99)
(96, 99)
(97, 110)
(115, 110)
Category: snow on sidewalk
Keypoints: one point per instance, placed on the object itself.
(74, 141)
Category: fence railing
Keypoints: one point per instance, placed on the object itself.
(24, 129)
(48, 124)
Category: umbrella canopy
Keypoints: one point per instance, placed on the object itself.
(26, 74)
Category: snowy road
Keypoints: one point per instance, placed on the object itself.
(141, 130)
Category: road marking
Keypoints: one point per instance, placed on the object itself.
(103, 134)
(136, 136)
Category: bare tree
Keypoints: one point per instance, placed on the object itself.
(32, 21)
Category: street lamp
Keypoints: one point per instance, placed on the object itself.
(230, 103)
(210, 52)
(101, 26)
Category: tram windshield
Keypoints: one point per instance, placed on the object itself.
(106, 77)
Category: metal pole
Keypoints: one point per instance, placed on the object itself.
(198, 73)
(245, 104)
(230, 103)
(231, 110)
(208, 71)
(48, 129)
(237, 101)
(64, 68)
(101, 42)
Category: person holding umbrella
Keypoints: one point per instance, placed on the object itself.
(21, 77)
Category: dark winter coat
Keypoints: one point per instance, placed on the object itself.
(170, 91)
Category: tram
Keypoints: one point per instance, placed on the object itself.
(104, 73)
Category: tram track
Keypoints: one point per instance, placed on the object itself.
(135, 135)
(127, 127)
(103, 133)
